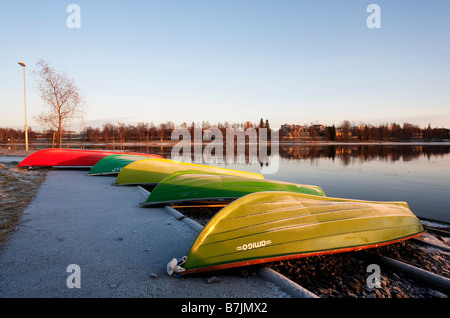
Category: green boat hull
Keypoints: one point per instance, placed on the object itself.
(153, 171)
(269, 226)
(112, 165)
(191, 185)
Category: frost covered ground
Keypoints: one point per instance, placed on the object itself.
(18, 187)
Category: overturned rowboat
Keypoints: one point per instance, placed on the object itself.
(192, 185)
(150, 172)
(113, 164)
(272, 226)
(72, 158)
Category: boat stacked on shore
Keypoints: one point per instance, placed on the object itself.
(260, 221)
(71, 158)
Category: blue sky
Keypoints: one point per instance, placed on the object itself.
(289, 61)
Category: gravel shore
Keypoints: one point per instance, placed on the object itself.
(344, 275)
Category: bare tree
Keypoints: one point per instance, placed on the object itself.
(345, 128)
(61, 97)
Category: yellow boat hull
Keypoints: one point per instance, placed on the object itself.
(269, 226)
(153, 171)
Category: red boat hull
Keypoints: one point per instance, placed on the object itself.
(70, 157)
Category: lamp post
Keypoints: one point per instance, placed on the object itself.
(25, 102)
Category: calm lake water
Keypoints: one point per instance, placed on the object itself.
(417, 174)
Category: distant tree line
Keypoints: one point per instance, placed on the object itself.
(10, 135)
(363, 132)
(122, 132)
(148, 132)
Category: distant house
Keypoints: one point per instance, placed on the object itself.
(340, 133)
(319, 127)
(39, 135)
(71, 135)
(294, 131)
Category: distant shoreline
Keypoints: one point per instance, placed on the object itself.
(174, 142)
(18, 149)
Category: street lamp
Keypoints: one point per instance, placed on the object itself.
(25, 102)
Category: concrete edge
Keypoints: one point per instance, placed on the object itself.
(181, 217)
(287, 285)
(144, 191)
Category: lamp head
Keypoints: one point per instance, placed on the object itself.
(21, 63)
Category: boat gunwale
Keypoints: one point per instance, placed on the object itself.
(176, 201)
(257, 261)
(320, 237)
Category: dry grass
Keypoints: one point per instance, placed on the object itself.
(18, 187)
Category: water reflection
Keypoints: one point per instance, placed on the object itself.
(347, 153)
